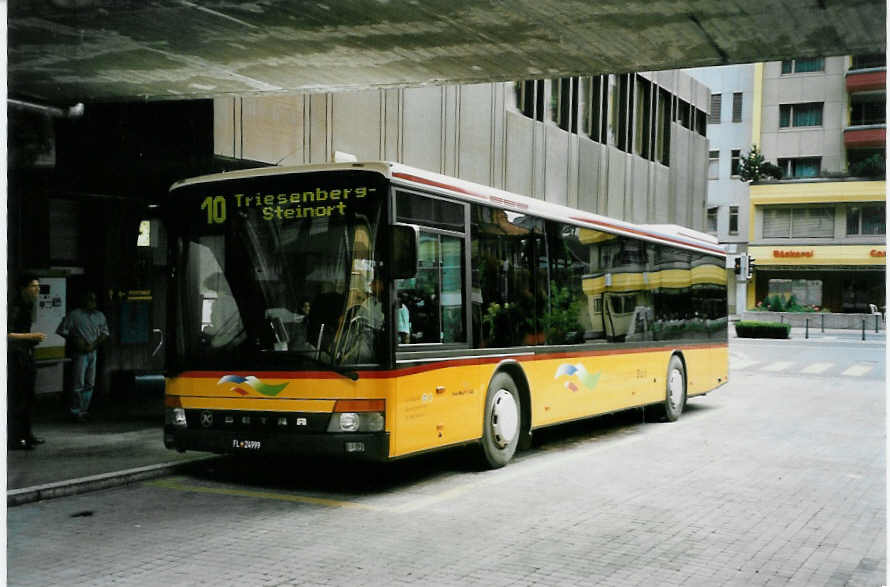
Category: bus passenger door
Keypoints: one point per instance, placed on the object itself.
(435, 393)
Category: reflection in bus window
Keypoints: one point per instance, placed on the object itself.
(509, 277)
(430, 306)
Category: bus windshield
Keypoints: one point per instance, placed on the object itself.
(280, 271)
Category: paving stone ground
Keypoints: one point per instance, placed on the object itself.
(771, 480)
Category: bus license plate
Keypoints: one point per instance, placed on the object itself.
(247, 444)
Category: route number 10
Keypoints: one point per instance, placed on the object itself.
(216, 209)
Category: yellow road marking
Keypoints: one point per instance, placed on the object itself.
(176, 484)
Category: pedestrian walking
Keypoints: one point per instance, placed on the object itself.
(84, 329)
(21, 369)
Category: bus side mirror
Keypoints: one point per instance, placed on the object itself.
(404, 252)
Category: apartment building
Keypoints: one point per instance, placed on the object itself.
(630, 146)
(819, 232)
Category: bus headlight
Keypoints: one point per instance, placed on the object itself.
(356, 422)
(373, 421)
(349, 422)
(175, 417)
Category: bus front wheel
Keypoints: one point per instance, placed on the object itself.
(675, 392)
(501, 425)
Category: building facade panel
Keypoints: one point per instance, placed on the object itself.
(589, 174)
(422, 128)
(392, 116)
(556, 166)
(520, 153)
(617, 183)
(639, 191)
(224, 127)
(635, 150)
(476, 138)
(351, 133)
(662, 195)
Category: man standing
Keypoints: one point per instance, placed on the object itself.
(22, 370)
(85, 329)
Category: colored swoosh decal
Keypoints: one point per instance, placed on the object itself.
(254, 383)
(588, 380)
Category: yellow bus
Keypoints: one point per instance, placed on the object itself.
(375, 311)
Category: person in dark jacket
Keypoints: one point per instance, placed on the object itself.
(21, 368)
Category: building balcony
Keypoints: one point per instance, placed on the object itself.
(865, 136)
(865, 80)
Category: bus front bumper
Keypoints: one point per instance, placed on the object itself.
(372, 446)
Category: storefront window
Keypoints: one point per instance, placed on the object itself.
(806, 292)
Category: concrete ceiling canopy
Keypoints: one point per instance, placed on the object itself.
(67, 51)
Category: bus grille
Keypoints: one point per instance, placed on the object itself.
(257, 422)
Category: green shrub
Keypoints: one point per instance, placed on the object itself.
(777, 303)
(774, 303)
(871, 167)
(751, 329)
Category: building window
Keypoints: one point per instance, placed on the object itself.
(737, 107)
(712, 219)
(812, 222)
(803, 65)
(866, 162)
(716, 104)
(797, 167)
(625, 110)
(144, 238)
(643, 123)
(798, 222)
(683, 114)
(868, 108)
(530, 98)
(735, 162)
(866, 220)
(663, 142)
(701, 122)
(596, 107)
(776, 223)
(564, 102)
(868, 61)
(713, 164)
(733, 220)
(807, 114)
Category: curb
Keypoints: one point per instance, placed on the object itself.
(79, 485)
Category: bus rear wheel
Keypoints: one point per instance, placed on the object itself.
(675, 393)
(501, 424)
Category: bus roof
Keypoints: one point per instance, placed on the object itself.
(407, 176)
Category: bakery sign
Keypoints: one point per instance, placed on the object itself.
(779, 253)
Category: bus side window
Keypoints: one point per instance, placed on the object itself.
(430, 306)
